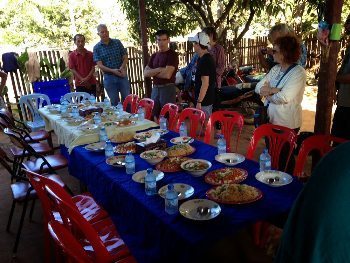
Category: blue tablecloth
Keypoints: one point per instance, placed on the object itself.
(151, 234)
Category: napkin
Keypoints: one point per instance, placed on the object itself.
(153, 139)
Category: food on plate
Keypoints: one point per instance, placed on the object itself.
(180, 150)
(153, 154)
(125, 147)
(118, 160)
(171, 165)
(226, 175)
(142, 136)
(196, 165)
(122, 137)
(124, 122)
(234, 193)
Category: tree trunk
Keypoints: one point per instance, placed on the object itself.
(144, 38)
(328, 72)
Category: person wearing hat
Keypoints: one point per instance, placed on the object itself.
(205, 78)
(341, 122)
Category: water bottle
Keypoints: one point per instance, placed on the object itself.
(141, 114)
(129, 163)
(120, 107)
(97, 118)
(92, 99)
(163, 123)
(106, 102)
(64, 106)
(221, 144)
(109, 149)
(183, 129)
(150, 182)
(171, 200)
(75, 112)
(265, 160)
(103, 134)
(61, 100)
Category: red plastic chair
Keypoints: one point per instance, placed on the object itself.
(131, 100)
(228, 120)
(277, 136)
(148, 105)
(321, 144)
(100, 241)
(83, 203)
(196, 119)
(170, 110)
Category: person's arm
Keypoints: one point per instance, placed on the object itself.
(151, 72)
(262, 82)
(203, 91)
(3, 77)
(107, 69)
(166, 73)
(122, 68)
(172, 65)
(72, 65)
(220, 61)
(295, 83)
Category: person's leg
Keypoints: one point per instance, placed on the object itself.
(123, 87)
(110, 85)
(167, 94)
(155, 98)
(341, 123)
(91, 91)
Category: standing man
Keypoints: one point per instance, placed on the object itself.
(205, 81)
(341, 121)
(162, 68)
(82, 65)
(111, 57)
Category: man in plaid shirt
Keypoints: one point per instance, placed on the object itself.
(111, 57)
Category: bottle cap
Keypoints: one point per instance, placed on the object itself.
(170, 186)
(149, 170)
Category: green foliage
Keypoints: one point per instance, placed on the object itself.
(54, 71)
(22, 60)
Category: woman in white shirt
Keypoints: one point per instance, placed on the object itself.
(283, 87)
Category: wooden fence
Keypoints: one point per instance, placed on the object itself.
(245, 52)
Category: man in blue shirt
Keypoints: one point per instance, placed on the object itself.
(111, 57)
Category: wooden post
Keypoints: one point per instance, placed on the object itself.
(143, 29)
(328, 72)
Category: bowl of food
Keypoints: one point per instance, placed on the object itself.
(196, 167)
(153, 156)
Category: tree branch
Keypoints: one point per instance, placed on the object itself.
(223, 16)
(246, 26)
(197, 8)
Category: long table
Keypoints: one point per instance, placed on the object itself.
(152, 234)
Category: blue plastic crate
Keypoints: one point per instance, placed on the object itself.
(55, 89)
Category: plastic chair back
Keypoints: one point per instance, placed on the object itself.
(131, 101)
(228, 121)
(148, 105)
(276, 136)
(320, 144)
(29, 106)
(170, 111)
(76, 97)
(196, 119)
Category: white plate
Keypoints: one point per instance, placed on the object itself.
(184, 190)
(161, 131)
(182, 139)
(88, 128)
(230, 159)
(96, 146)
(117, 161)
(189, 209)
(139, 177)
(277, 178)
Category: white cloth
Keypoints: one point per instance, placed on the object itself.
(285, 106)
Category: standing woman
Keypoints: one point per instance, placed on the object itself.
(283, 87)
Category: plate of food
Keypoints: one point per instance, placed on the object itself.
(117, 161)
(171, 165)
(234, 194)
(142, 136)
(139, 177)
(181, 140)
(120, 137)
(178, 150)
(200, 209)
(230, 159)
(96, 147)
(227, 175)
(161, 131)
(274, 178)
(183, 190)
(153, 156)
(196, 167)
(125, 123)
(125, 147)
(74, 120)
(88, 128)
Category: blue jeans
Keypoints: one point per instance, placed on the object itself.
(113, 85)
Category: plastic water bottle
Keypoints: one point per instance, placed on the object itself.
(221, 143)
(163, 123)
(109, 149)
(106, 102)
(141, 114)
(129, 163)
(92, 99)
(64, 106)
(75, 112)
(183, 129)
(265, 161)
(61, 100)
(150, 182)
(120, 107)
(103, 134)
(97, 118)
(171, 200)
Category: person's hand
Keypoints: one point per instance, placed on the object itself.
(117, 72)
(199, 106)
(265, 89)
(122, 71)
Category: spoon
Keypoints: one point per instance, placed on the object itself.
(230, 160)
(203, 211)
(272, 180)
